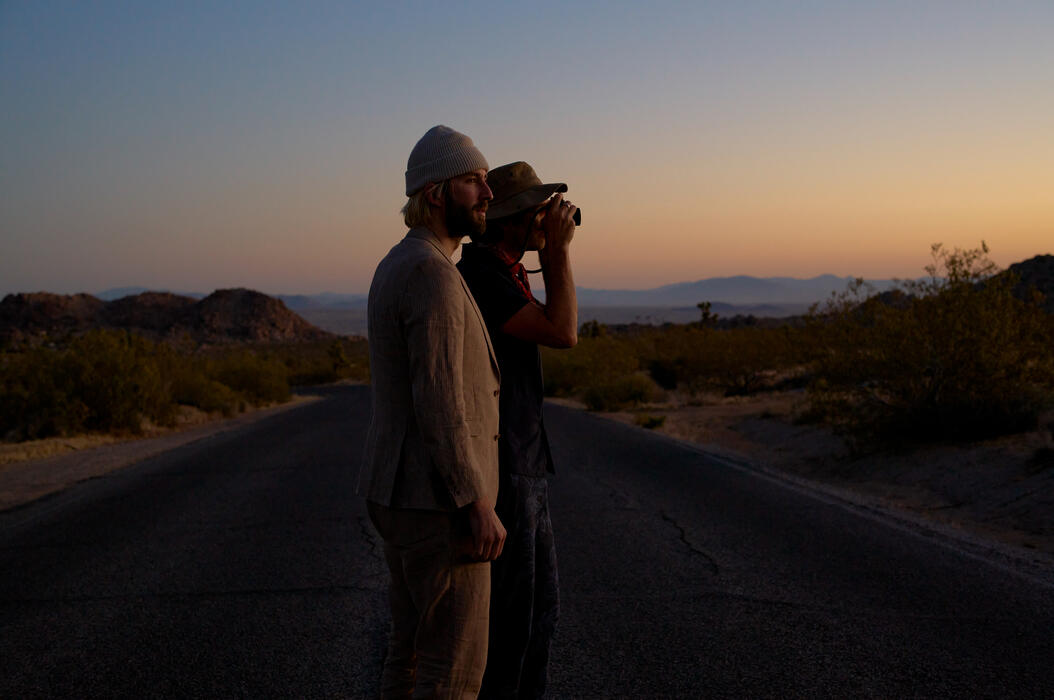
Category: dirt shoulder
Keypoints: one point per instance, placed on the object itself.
(31, 470)
(998, 489)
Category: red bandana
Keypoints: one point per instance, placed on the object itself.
(518, 271)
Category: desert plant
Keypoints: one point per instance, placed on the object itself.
(593, 329)
(739, 361)
(649, 421)
(676, 356)
(36, 403)
(113, 381)
(105, 380)
(956, 355)
(707, 318)
(118, 377)
(623, 392)
(191, 387)
(258, 378)
(592, 362)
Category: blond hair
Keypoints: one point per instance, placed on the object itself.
(417, 211)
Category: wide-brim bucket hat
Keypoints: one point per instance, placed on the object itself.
(517, 188)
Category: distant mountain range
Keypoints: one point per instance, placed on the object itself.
(295, 302)
(771, 295)
(241, 314)
(738, 291)
(765, 297)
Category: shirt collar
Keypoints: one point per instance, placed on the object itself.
(424, 234)
(514, 267)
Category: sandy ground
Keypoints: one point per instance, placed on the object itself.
(998, 489)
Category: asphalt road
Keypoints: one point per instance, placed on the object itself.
(243, 565)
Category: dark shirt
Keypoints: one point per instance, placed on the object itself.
(524, 447)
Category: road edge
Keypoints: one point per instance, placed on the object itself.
(1033, 565)
(24, 483)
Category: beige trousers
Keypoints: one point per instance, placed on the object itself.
(440, 606)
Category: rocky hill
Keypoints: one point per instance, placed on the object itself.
(1035, 274)
(225, 316)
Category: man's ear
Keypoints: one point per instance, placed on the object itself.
(431, 196)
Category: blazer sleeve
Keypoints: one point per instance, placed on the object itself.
(435, 340)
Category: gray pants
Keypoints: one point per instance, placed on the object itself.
(524, 602)
(439, 600)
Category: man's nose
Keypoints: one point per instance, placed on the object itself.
(487, 194)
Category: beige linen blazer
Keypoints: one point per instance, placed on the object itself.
(433, 436)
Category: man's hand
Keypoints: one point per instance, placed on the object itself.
(559, 225)
(488, 534)
(554, 324)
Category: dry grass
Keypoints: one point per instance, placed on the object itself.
(11, 453)
(188, 417)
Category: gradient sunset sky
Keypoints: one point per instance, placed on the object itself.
(191, 146)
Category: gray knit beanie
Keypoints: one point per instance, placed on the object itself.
(441, 154)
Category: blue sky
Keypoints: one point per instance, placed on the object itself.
(195, 146)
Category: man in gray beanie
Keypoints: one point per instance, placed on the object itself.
(430, 465)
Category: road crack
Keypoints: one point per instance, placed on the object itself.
(691, 547)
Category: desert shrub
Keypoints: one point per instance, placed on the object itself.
(955, 356)
(664, 352)
(256, 377)
(106, 381)
(592, 329)
(593, 362)
(694, 357)
(739, 361)
(113, 381)
(664, 372)
(35, 401)
(118, 377)
(191, 387)
(690, 357)
(326, 361)
(623, 392)
(648, 421)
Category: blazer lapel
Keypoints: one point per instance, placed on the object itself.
(426, 235)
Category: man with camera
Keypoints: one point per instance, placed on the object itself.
(525, 214)
(430, 465)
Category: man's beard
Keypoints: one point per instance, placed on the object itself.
(460, 219)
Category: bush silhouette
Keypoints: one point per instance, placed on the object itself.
(623, 392)
(951, 356)
(593, 362)
(254, 376)
(955, 355)
(117, 381)
(624, 367)
(106, 381)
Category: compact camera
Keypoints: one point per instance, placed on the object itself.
(577, 218)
